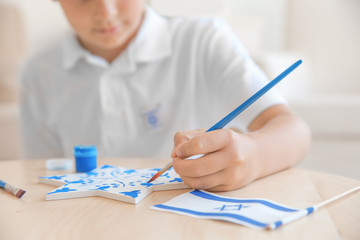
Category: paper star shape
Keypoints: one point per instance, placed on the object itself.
(123, 184)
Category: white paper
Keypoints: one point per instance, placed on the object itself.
(257, 213)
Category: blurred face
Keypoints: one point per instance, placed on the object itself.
(104, 25)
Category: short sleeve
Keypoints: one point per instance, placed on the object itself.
(233, 75)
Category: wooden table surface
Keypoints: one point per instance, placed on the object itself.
(32, 217)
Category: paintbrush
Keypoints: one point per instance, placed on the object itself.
(223, 122)
(17, 192)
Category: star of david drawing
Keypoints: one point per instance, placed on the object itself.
(123, 184)
(236, 207)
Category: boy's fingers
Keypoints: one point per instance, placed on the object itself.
(203, 144)
(220, 181)
(205, 165)
(184, 136)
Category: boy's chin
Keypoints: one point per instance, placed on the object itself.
(114, 40)
(102, 42)
(108, 44)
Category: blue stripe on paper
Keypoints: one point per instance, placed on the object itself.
(310, 210)
(223, 199)
(278, 224)
(203, 214)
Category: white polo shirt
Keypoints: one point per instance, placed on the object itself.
(177, 74)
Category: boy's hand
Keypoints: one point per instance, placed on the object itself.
(228, 162)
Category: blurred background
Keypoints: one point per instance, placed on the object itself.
(325, 90)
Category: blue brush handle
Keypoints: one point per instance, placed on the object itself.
(2, 184)
(223, 122)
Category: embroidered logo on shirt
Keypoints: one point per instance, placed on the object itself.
(152, 118)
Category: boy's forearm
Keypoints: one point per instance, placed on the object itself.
(281, 143)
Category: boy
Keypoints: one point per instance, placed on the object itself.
(127, 79)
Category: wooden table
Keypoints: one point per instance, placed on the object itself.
(32, 217)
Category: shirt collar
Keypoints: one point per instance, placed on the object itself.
(72, 50)
(152, 43)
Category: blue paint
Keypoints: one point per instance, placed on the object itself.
(310, 210)
(82, 182)
(278, 224)
(133, 194)
(115, 185)
(103, 188)
(65, 189)
(119, 182)
(106, 166)
(155, 169)
(147, 185)
(110, 179)
(165, 175)
(236, 207)
(116, 173)
(176, 180)
(91, 174)
(55, 177)
(74, 182)
(234, 200)
(204, 214)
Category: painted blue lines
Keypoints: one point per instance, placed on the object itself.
(256, 213)
(118, 183)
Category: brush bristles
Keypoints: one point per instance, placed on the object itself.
(20, 193)
(164, 169)
(154, 177)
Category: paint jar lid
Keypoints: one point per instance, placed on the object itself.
(85, 151)
(55, 164)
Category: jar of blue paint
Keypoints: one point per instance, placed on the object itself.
(85, 158)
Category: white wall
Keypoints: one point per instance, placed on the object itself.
(43, 21)
(328, 32)
(262, 19)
